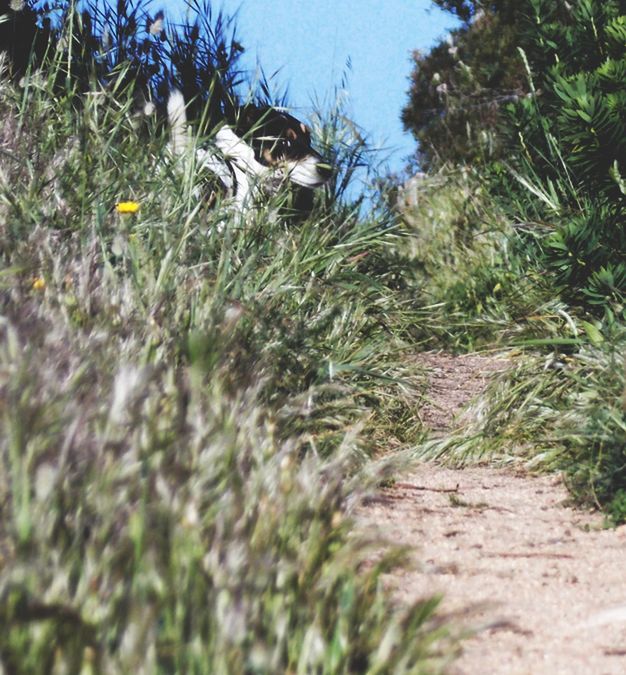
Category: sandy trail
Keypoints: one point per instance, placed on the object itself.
(546, 582)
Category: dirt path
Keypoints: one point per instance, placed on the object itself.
(546, 585)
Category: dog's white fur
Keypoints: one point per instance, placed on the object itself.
(304, 172)
(235, 164)
(233, 161)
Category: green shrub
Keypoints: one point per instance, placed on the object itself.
(570, 148)
(471, 285)
(460, 88)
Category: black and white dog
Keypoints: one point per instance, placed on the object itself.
(263, 148)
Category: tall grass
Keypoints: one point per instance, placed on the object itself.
(467, 266)
(188, 401)
(562, 409)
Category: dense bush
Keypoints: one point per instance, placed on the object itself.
(460, 88)
(464, 259)
(569, 150)
(556, 156)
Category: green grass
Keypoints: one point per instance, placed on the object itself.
(188, 403)
(466, 266)
(560, 406)
(555, 411)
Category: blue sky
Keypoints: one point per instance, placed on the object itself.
(310, 44)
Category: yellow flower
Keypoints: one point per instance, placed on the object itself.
(127, 207)
(39, 284)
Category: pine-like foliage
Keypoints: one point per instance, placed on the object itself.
(570, 145)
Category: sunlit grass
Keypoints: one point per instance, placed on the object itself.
(560, 409)
(189, 401)
(465, 255)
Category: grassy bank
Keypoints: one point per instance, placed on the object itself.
(189, 400)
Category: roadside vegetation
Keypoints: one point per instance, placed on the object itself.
(520, 230)
(190, 397)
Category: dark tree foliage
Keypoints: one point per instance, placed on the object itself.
(24, 34)
(464, 9)
(459, 88)
(537, 90)
(123, 45)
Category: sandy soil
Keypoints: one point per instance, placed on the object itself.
(544, 585)
(453, 382)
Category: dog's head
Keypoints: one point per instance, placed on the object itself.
(282, 142)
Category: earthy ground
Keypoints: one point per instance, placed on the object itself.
(544, 584)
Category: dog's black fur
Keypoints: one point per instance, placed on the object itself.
(267, 145)
(278, 137)
(258, 151)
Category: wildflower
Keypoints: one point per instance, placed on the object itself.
(39, 284)
(127, 207)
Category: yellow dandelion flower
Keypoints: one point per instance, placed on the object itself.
(127, 207)
(39, 284)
